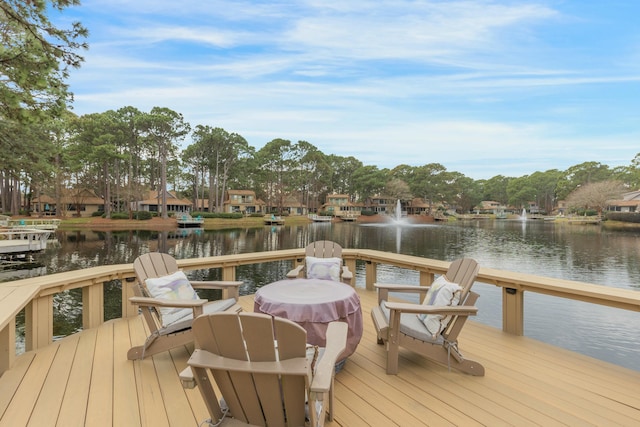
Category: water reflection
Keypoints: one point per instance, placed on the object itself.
(575, 252)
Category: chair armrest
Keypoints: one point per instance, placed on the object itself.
(215, 284)
(176, 303)
(459, 310)
(295, 272)
(401, 288)
(187, 379)
(336, 343)
(385, 288)
(204, 359)
(230, 288)
(346, 273)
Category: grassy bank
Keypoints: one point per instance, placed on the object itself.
(159, 224)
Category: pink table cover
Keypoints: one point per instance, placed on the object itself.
(312, 304)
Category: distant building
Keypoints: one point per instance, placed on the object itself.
(630, 203)
(340, 205)
(417, 206)
(243, 201)
(295, 207)
(202, 205)
(152, 202)
(490, 207)
(80, 202)
(381, 204)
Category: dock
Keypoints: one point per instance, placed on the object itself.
(273, 220)
(86, 379)
(320, 218)
(14, 242)
(50, 224)
(584, 220)
(187, 221)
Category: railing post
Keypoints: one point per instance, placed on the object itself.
(128, 309)
(92, 306)
(426, 279)
(228, 273)
(371, 273)
(512, 311)
(7, 346)
(38, 323)
(351, 265)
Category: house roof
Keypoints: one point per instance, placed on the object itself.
(418, 202)
(624, 203)
(70, 196)
(245, 192)
(153, 198)
(632, 195)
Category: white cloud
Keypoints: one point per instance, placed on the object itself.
(487, 85)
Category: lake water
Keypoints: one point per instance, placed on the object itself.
(585, 253)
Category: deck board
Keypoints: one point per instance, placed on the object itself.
(10, 381)
(86, 379)
(126, 411)
(101, 389)
(74, 404)
(55, 384)
(26, 397)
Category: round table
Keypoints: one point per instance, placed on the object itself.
(312, 304)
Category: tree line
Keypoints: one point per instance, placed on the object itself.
(122, 154)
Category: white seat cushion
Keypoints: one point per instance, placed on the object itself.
(411, 325)
(323, 268)
(441, 293)
(175, 286)
(185, 321)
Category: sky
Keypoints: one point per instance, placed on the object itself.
(485, 88)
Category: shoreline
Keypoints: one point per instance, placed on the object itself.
(170, 224)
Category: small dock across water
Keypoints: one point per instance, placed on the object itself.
(33, 223)
(187, 221)
(273, 220)
(320, 218)
(14, 242)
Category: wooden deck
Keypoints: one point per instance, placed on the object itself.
(86, 380)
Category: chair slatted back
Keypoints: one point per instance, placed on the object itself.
(451, 332)
(324, 249)
(152, 265)
(258, 398)
(463, 271)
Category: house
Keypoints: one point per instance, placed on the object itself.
(152, 202)
(630, 203)
(80, 202)
(490, 207)
(381, 204)
(533, 208)
(295, 207)
(561, 208)
(340, 205)
(417, 206)
(202, 205)
(243, 201)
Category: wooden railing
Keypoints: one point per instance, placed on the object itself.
(35, 295)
